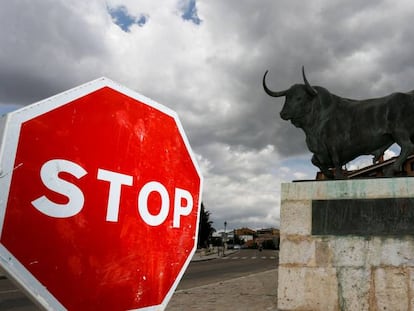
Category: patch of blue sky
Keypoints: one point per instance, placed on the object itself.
(6, 108)
(296, 168)
(301, 161)
(121, 17)
(190, 13)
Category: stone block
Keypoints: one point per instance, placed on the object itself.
(397, 251)
(350, 251)
(354, 251)
(347, 189)
(391, 289)
(302, 288)
(297, 217)
(296, 250)
(354, 288)
(411, 286)
(323, 253)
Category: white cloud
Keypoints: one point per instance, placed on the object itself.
(245, 178)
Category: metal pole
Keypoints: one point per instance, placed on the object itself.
(225, 237)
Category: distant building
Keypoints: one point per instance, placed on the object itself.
(223, 236)
(245, 231)
(246, 236)
(268, 237)
(268, 232)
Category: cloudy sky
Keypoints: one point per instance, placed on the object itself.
(206, 59)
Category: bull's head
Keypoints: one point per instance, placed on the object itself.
(298, 100)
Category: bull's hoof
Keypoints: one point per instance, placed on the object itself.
(328, 174)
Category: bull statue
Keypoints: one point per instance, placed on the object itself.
(338, 130)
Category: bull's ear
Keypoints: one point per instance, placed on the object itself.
(309, 88)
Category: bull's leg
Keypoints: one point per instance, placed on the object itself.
(407, 148)
(338, 165)
(324, 169)
(338, 172)
(379, 152)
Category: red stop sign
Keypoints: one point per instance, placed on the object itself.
(99, 199)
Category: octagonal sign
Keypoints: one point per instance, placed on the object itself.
(99, 200)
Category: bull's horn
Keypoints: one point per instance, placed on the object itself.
(270, 92)
(309, 88)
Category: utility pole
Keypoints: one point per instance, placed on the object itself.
(225, 238)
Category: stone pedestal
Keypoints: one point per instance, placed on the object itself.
(343, 268)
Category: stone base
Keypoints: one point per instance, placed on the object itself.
(343, 272)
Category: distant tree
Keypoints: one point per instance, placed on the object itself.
(216, 241)
(205, 228)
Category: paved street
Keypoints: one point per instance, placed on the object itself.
(244, 280)
(239, 263)
(12, 299)
(255, 292)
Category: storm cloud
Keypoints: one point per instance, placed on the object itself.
(206, 60)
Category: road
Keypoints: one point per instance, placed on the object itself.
(241, 263)
(12, 299)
